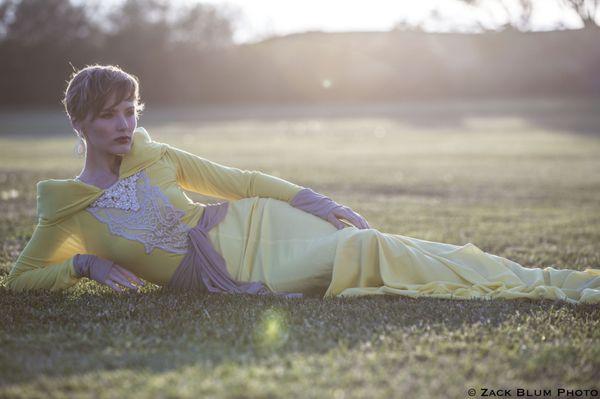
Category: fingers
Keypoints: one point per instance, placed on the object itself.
(353, 217)
(364, 222)
(129, 275)
(114, 286)
(118, 278)
(334, 221)
(358, 220)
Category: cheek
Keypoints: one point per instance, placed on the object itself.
(132, 122)
(100, 132)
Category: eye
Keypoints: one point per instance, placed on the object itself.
(106, 116)
(130, 112)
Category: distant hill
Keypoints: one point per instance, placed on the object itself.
(406, 65)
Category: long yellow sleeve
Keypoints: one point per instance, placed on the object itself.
(210, 178)
(46, 262)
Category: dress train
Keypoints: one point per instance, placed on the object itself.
(264, 239)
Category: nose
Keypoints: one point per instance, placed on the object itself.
(122, 123)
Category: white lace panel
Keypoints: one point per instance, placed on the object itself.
(120, 195)
(134, 209)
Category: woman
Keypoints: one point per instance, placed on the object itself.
(125, 218)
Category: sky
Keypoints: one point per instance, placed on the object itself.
(259, 19)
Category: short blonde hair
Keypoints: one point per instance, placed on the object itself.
(90, 88)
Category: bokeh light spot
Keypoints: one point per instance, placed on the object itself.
(326, 83)
(9, 194)
(272, 330)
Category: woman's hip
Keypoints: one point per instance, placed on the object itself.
(268, 240)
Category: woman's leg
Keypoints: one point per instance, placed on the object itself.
(290, 250)
(371, 262)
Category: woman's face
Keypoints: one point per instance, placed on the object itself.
(112, 130)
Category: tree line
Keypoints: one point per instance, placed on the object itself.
(187, 55)
(41, 39)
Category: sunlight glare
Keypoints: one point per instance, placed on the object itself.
(271, 331)
(263, 18)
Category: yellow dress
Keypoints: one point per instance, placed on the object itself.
(262, 238)
(290, 250)
(151, 238)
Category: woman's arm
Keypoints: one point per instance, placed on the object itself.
(210, 178)
(46, 262)
(106, 272)
(327, 209)
(36, 267)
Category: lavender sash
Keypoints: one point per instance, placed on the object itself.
(204, 269)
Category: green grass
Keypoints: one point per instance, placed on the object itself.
(510, 185)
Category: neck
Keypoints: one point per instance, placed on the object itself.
(101, 165)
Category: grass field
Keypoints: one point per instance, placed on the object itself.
(518, 180)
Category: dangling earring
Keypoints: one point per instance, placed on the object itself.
(80, 147)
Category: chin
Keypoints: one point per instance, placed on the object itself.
(122, 150)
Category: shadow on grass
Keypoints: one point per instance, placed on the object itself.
(82, 331)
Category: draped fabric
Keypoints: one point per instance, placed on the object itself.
(263, 239)
(204, 269)
(144, 227)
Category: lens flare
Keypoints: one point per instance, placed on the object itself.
(272, 331)
(326, 83)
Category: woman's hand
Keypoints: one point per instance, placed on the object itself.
(120, 279)
(344, 212)
(327, 209)
(106, 272)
